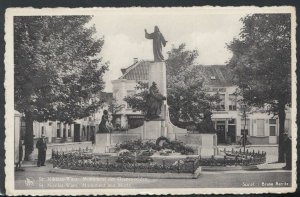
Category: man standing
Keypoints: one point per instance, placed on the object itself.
(287, 151)
(41, 145)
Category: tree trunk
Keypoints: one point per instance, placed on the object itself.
(281, 115)
(28, 141)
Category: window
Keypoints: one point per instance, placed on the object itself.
(58, 130)
(69, 130)
(232, 102)
(50, 123)
(231, 121)
(221, 104)
(272, 130)
(260, 127)
(272, 123)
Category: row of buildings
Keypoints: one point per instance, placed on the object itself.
(60, 132)
(261, 128)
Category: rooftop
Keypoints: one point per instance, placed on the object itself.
(215, 75)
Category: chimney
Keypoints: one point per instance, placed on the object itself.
(135, 60)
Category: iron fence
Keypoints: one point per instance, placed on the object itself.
(235, 158)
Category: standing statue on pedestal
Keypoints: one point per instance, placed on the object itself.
(102, 126)
(154, 102)
(158, 41)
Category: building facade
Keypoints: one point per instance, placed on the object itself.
(260, 127)
(60, 132)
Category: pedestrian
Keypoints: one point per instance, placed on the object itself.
(287, 145)
(19, 164)
(41, 145)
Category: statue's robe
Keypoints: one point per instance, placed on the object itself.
(154, 103)
(158, 41)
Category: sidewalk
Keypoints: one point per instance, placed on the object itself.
(271, 166)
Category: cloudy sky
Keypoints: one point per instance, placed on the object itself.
(208, 32)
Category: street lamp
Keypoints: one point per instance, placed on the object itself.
(244, 115)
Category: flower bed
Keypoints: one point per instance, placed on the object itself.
(151, 147)
(84, 161)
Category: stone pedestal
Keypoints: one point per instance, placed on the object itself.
(153, 130)
(102, 142)
(157, 74)
(156, 128)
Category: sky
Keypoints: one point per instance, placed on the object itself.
(124, 37)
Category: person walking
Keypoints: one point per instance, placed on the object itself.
(41, 145)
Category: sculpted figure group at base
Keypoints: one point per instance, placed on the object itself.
(154, 102)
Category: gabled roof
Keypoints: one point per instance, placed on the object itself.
(137, 71)
(215, 75)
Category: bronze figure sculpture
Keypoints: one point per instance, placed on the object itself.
(158, 42)
(154, 102)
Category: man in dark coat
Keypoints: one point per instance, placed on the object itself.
(287, 152)
(41, 145)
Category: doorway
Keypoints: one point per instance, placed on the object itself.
(76, 132)
(221, 132)
(231, 133)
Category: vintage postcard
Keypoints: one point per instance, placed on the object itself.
(178, 100)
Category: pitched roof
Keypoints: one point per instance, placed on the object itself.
(137, 71)
(215, 75)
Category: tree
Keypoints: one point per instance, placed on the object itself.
(189, 104)
(187, 99)
(57, 69)
(261, 64)
(138, 100)
(113, 109)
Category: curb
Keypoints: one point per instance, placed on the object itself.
(128, 174)
(229, 168)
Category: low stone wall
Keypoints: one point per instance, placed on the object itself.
(261, 140)
(189, 138)
(61, 146)
(203, 144)
(105, 141)
(117, 138)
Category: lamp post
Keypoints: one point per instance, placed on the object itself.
(245, 118)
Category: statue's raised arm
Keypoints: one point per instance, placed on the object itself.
(158, 42)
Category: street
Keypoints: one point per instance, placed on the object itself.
(39, 177)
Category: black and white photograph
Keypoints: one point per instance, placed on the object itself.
(115, 101)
